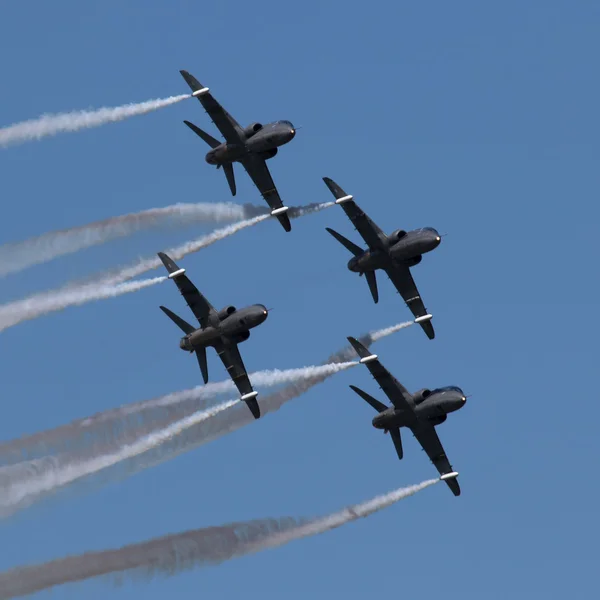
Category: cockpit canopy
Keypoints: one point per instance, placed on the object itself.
(451, 388)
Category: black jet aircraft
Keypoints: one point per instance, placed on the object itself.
(420, 412)
(223, 330)
(251, 146)
(394, 253)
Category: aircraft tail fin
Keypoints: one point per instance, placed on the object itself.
(378, 406)
(350, 246)
(201, 356)
(183, 325)
(209, 139)
(228, 169)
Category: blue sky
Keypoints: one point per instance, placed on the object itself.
(479, 120)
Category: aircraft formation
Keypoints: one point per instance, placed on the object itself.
(395, 254)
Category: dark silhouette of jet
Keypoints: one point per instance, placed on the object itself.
(223, 330)
(420, 412)
(394, 254)
(251, 146)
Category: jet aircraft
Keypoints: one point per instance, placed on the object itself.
(223, 330)
(251, 146)
(394, 253)
(420, 412)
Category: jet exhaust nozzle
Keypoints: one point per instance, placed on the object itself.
(452, 475)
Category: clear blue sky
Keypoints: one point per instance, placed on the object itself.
(479, 120)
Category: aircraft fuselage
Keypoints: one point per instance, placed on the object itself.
(434, 408)
(257, 139)
(402, 247)
(233, 325)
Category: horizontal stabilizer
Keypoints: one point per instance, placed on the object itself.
(209, 139)
(228, 169)
(378, 406)
(201, 356)
(183, 325)
(397, 439)
(372, 283)
(350, 246)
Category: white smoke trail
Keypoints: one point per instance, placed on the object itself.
(337, 519)
(34, 306)
(44, 248)
(377, 335)
(36, 478)
(107, 285)
(16, 312)
(268, 378)
(46, 125)
(24, 483)
(138, 418)
(175, 553)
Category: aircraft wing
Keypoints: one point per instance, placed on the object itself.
(428, 438)
(399, 396)
(370, 232)
(232, 359)
(230, 129)
(257, 168)
(198, 304)
(403, 281)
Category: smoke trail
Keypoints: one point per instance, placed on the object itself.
(130, 421)
(25, 483)
(36, 478)
(46, 125)
(74, 294)
(175, 553)
(34, 306)
(44, 248)
(107, 285)
(234, 419)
